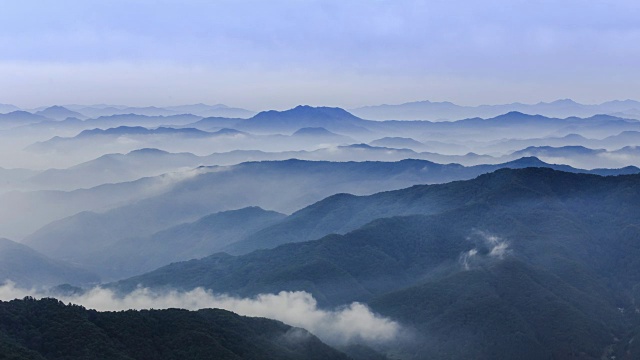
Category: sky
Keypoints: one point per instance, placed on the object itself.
(279, 53)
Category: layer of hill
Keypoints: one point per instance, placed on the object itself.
(49, 329)
(533, 263)
(27, 268)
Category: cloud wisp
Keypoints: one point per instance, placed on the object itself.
(353, 322)
(487, 246)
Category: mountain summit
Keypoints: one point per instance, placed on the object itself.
(60, 113)
(332, 119)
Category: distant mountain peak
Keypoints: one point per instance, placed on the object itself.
(528, 161)
(307, 112)
(361, 146)
(396, 141)
(564, 102)
(517, 115)
(147, 151)
(19, 113)
(58, 112)
(315, 131)
(229, 131)
(56, 108)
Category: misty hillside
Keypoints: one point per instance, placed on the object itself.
(49, 329)
(18, 118)
(132, 256)
(11, 179)
(23, 212)
(470, 269)
(344, 212)
(530, 197)
(284, 186)
(27, 268)
(114, 168)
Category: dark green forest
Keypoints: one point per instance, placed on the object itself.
(48, 329)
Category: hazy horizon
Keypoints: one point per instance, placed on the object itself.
(145, 105)
(332, 53)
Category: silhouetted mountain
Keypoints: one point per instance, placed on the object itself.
(466, 141)
(579, 156)
(227, 131)
(511, 145)
(558, 151)
(332, 119)
(620, 140)
(505, 126)
(73, 332)
(28, 268)
(314, 131)
(353, 152)
(427, 110)
(60, 113)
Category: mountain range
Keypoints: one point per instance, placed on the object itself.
(194, 240)
(418, 110)
(427, 110)
(509, 233)
(533, 263)
(284, 186)
(99, 110)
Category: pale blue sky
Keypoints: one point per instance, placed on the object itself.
(276, 54)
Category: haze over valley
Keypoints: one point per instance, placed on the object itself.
(361, 180)
(322, 216)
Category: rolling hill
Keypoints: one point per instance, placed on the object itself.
(533, 263)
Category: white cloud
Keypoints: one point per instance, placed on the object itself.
(488, 245)
(353, 322)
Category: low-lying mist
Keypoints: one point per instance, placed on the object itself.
(354, 322)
